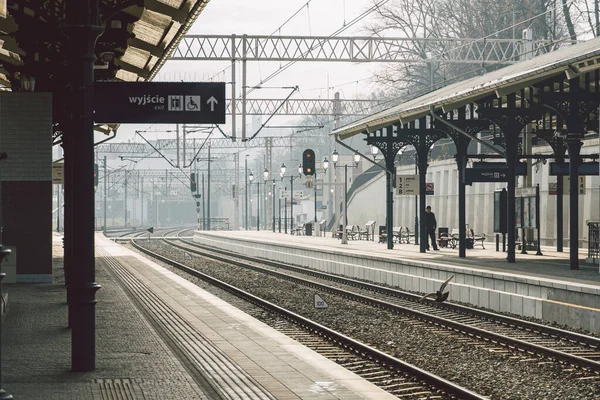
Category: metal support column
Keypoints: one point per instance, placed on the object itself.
(105, 191)
(389, 200)
(574, 145)
(83, 28)
(208, 193)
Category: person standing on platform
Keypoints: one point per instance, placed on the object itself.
(430, 225)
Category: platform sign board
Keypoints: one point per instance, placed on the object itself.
(407, 185)
(589, 168)
(285, 194)
(159, 102)
(58, 172)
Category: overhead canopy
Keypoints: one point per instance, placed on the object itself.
(574, 59)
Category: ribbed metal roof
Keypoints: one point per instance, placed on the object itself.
(578, 58)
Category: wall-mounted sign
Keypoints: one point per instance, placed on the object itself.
(159, 102)
(429, 189)
(58, 172)
(407, 185)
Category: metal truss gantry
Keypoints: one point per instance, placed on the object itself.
(353, 49)
(346, 49)
(171, 144)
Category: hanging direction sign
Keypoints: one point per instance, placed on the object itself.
(159, 102)
(589, 168)
(407, 185)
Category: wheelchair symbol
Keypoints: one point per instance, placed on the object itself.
(192, 103)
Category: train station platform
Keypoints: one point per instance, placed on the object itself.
(158, 336)
(542, 287)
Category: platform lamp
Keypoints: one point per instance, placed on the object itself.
(335, 157)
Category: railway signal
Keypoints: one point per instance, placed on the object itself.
(193, 185)
(95, 175)
(308, 162)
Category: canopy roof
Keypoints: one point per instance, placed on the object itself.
(574, 59)
(138, 38)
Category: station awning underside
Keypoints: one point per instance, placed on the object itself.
(570, 61)
(138, 38)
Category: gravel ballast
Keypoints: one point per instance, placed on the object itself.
(493, 372)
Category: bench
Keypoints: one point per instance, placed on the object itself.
(405, 235)
(368, 232)
(351, 231)
(480, 237)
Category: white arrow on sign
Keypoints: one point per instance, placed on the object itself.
(212, 101)
(319, 302)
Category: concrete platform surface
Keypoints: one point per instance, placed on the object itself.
(158, 336)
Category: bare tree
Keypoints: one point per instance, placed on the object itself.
(454, 19)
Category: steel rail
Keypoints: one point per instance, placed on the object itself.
(457, 326)
(357, 347)
(486, 315)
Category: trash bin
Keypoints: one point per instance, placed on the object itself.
(469, 243)
(308, 229)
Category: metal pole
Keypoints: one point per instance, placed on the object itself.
(142, 200)
(83, 28)
(273, 201)
(560, 189)
(416, 207)
(233, 93)
(279, 215)
(292, 205)
(208, 193)
(285, 214)
(344, 235)
(57, 205)
(244, 51)
(537, 220)
(246, 190)
(389, 201)
(184, 147)
(258, 206)
(105, 192)
(177, 143)
(315, 186)
(125, 202)
(574, 147)
(203, 197)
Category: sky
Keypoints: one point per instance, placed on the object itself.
(265, 17)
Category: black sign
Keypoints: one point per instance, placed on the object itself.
(485, 175)
(520, 167)
(590, 168)
(159, 102)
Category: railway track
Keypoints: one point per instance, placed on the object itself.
(397, 377)
(525, 338)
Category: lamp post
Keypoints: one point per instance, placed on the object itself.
(273, 201)
(334, 158)
(292, 177)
